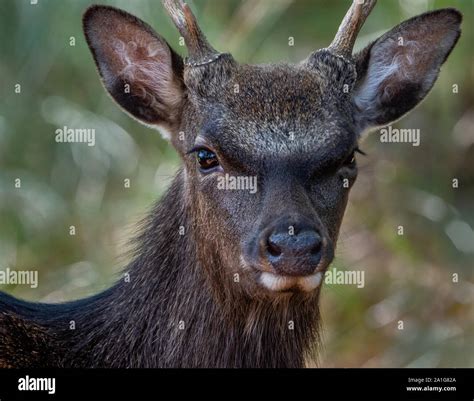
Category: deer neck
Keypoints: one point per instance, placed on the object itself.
(168, 314)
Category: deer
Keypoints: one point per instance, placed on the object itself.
(232, 278)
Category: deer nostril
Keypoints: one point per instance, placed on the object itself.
(293, 254)
(273, 249)
(302, 244)
(316, 249)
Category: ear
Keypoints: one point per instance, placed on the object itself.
(398, 70)
(138, 68)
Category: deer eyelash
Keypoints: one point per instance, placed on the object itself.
(360, 151)
(194, 150)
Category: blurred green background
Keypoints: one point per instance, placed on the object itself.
(407, 278)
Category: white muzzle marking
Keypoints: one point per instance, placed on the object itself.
(275, 282)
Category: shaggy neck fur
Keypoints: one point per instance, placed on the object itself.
(168, 315)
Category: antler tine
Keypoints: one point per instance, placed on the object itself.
(199, 49)
(346, 35)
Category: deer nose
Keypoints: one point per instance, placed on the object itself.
(293, 253)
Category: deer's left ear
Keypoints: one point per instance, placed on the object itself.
(398, 70)
(138, 68)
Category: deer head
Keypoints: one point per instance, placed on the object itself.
(294, 128)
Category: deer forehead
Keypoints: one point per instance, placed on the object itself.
(277, 110)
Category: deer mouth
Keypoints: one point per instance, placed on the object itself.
(296, 280)
(279, 283)
(275, 282)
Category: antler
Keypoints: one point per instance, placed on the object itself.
(346, 35)
(200, 52)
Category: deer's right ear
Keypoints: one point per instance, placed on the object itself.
(138, 68)
(398, 70)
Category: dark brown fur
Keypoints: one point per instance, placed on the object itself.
(136, 324)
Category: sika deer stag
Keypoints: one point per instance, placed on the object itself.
(231, 278)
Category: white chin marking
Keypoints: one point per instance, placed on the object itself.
(275, 282)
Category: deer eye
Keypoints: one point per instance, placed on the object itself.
(350, 160)
(207, 159)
